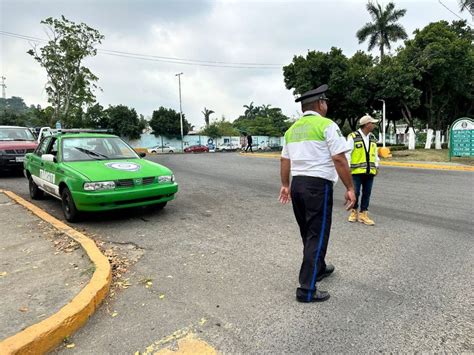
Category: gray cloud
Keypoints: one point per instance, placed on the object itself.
(225, 31)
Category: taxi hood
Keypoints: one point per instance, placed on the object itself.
(111, 170)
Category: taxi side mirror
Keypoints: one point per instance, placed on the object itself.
(49, 157)
(142, 155)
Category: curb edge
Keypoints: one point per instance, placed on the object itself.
(47, 334)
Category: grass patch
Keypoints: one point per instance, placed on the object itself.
(432, 155)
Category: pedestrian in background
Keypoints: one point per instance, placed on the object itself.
(314, 153)
(364, 163)
(249, 143)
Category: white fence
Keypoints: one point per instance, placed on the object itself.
(148, 140)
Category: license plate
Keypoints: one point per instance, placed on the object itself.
(20, 159)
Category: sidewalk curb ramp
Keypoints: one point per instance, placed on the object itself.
(47, 334)
(419, 165)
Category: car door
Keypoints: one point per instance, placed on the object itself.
(49, 171)
(35, 163)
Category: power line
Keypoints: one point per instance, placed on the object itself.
(455, 14)
(173, 60)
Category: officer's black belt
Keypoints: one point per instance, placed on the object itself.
(311, 178)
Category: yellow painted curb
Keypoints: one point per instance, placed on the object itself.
(428, 166)
(260, 155)
(390, 163)
(47, 334)
(189, 345)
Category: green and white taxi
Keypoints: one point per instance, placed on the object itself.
(96, 172)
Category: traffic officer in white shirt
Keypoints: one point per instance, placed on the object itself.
(364, 163)
(314, 152)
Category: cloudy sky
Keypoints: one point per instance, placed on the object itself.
(212, 34)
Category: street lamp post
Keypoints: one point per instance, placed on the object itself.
(180, 111)
(383, 122)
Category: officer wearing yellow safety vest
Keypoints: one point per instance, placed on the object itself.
(364, 163)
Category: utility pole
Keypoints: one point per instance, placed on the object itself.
(383, 122)
(180, 111)
(4, 94)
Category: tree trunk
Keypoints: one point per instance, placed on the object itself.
(353, 123)
(406, 113)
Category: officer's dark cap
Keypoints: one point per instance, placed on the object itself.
(314, 95)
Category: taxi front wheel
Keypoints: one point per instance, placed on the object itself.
(69, 208)
(35, 192)
(157, 207)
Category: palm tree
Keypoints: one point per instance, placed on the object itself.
(467, 5)
(384, 28)
(265, 110)
(206, 114)
(249, 110)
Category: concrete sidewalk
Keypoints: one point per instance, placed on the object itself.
(52, 278)
(41, 269)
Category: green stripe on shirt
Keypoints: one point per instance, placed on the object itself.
(307, 128)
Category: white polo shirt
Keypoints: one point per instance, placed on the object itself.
(310, 144)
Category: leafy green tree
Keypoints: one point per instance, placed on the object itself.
(207, 113)
(96, 117)
(350, 91)
(13, 104)
(14, 111)
(124, 121)
(212, 131)
(166, 122)
(384, 29)
(444, 55)
(394, 81)
(220, 128)
(70, 84)
(264, 120)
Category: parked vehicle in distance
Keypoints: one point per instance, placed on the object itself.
(162, 149)
(196, 149)
(263, 148)
(15, 142)
(96, 172)
(227, 147)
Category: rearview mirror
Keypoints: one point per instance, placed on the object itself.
(142, 155)
(48, 157)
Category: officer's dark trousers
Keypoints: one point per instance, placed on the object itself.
(312, 205)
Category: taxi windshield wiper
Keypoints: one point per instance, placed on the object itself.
(91, 153)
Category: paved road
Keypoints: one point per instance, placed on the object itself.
(224, 259)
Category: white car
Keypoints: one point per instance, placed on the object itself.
(162, 149)
(227, 147)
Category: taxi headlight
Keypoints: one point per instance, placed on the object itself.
(101, 185)
(165, 179)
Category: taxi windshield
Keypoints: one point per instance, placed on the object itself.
(16, 134)
(95, 148)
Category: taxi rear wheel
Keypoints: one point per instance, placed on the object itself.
(69, 208)
(35, 192)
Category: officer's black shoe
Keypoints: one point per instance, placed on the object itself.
(328, 271)
(318, 296)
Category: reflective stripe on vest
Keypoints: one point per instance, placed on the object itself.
(363, 162)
